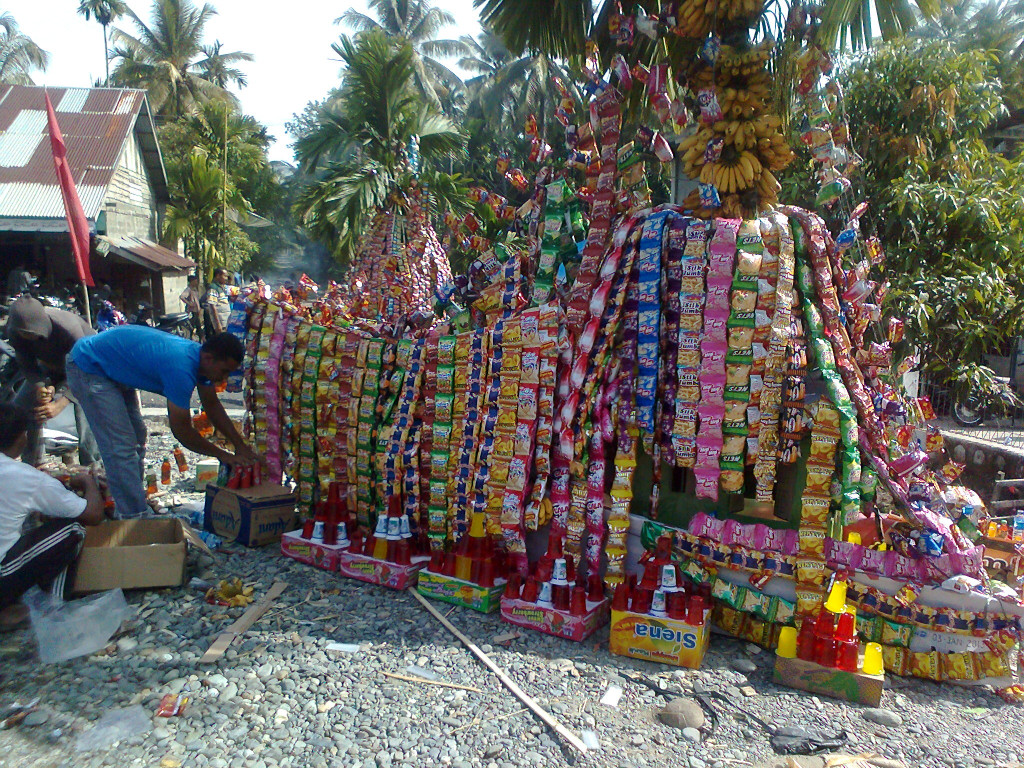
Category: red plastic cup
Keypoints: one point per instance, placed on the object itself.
(513, 586)
(830, 653)
(330, 529)
(578, 603)
(554, 546)
(307, 529)
(805, 641)
(642, 599)
(544, 568)
(650, 579)
(620, 600)
(368, 546)
(403, 555)
(570, 569)
(449, 564)
(436, 561)
(531, 590)
(849, 655)
(356, 539)
(846, 627)
(595, 588)
(560, 594)
(663, 550)
(695, 611)
(485, 577)
(676, 605)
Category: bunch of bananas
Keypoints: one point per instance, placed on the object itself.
(694, 18)
(733, 62)
(739, 9)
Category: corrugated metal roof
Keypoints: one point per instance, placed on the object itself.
(42, 201)
(95, 123)
(146, 253)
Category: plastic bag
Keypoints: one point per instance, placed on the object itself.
(66, 630)
(114, 726)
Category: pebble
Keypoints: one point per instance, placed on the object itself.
(882, 717)
(126, 644)
(284, 701)
(38, 717)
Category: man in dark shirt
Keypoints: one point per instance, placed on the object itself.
(42, 337)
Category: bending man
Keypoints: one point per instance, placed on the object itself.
(104, 372)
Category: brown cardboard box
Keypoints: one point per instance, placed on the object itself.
(251, 516)
(132, 554)
(808, 676)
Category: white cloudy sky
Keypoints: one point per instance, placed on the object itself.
(290, 41)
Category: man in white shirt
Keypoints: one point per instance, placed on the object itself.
(42, 556)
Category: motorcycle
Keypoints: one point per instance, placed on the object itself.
(972, 408)
(108, 316)
(177, 323)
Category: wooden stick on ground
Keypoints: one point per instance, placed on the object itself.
(424, 680)
(518, 692)
(246, 620)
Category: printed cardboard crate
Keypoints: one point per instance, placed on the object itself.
(252, 516)
(827, 681)
(668, 641)
(380, 572)
(460, 592)
(315, 553)
(554, 622)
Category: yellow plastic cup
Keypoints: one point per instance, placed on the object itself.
(873, 659)
(853, 537)
(836, 602)
(787, 643)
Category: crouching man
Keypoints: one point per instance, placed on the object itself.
(44, 556)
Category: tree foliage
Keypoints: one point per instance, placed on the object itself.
(949, 212)
(19, 55)
(357, 151)
(169, 58)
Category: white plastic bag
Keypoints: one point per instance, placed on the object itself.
(66, 630)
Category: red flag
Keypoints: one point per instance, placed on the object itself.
(77, 223)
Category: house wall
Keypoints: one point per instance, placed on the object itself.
(130, 208)
(173, 284)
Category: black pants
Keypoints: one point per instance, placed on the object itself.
(44, 557)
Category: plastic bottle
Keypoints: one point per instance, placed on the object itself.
(1018, 526)
(179, 459)
(165, 472)
(151, 483)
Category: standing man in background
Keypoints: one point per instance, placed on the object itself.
(218, 303)
(190, 298)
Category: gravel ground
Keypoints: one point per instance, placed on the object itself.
(281, 698)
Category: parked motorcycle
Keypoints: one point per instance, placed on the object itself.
(108, 316)
(178, 323)
(973, 407)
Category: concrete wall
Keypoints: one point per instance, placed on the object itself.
(983, 459)
(173, 283)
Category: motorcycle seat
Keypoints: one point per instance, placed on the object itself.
(174, 317)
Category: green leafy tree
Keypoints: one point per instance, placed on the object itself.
(19, 55)
(105, 12)
(419, 23)
(199, 215)
(357, 152)
(949, 212)
(169, 59)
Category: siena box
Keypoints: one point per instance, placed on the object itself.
(669, 641)
(251, 516)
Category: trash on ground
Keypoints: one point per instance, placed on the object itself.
(66, 630)
(114, 726)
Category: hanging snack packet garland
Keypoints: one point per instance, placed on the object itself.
(713, 350)
(740, 356)
(688, 358)
(770, 400)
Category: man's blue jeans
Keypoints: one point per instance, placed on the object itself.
(116, 419)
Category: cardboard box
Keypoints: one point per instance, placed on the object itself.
(315, 553)
(814, 678)
(380, 572)
(459, 592)
(669, 641)
(554, 622)
(132, 554)
(251, 516)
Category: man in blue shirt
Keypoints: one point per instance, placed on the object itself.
(104, 371)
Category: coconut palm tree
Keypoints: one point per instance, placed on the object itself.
(419, 23)
(105, 12)
(168, 58)
(19, 56)
(358, 151)
(561, 27)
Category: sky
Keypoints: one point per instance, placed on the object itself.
(291, 43)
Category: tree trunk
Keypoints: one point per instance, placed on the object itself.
(106, 57)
